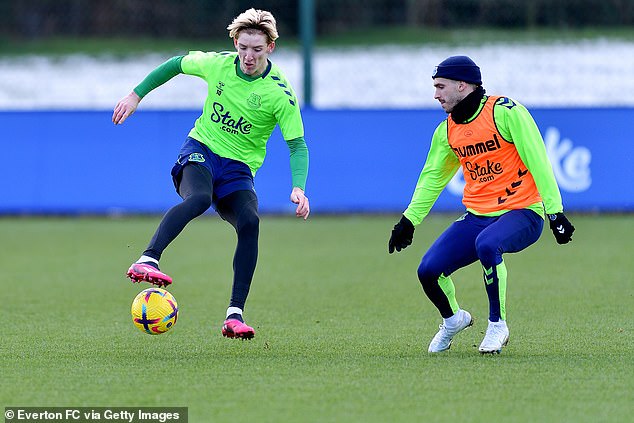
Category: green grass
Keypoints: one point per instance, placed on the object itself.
(376, 36)
(342, 327)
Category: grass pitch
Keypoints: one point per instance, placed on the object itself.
(342, 327)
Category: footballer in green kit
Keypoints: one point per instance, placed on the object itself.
(247, 97)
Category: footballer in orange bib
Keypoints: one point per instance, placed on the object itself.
(509, 189)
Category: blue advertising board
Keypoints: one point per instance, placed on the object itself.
(360, 160)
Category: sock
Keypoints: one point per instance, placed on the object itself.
(495, 284)
(453, 320)
(148, 260)
(235, 313)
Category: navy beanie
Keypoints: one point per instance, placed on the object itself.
(458, 68)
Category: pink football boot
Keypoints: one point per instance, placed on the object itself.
(139, 272)
(234, 328)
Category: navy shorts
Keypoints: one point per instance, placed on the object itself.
(227, 175)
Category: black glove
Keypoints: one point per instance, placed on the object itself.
(561, 227)
(402, 235)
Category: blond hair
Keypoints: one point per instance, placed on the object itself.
(252, 19)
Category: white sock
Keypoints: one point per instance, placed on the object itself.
(234, 310)
(453, 320)
(145, 259)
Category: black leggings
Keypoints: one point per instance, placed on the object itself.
(240, 209)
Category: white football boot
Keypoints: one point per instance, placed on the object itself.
(496, 337)
(442, 340)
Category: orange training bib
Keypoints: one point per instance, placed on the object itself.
(495, 176)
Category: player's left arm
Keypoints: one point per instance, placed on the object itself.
(517, 125)
(289, 118)
(299, 173)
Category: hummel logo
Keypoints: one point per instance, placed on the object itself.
(561, 229)
(520, 173)
(506, 102)
(489, 278)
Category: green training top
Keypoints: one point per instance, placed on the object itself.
(517, 126)
(240, 112)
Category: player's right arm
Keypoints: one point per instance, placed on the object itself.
(440, 166)
(163, 73)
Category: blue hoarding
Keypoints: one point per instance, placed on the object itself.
(360, 160)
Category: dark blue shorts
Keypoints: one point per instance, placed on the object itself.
(227, 175)
(485, 238)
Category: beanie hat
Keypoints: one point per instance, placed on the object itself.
(458, 68)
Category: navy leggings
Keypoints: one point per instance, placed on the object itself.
(239, 208)
(472, 238)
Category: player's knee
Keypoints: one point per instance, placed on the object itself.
(248, 223)
(486, 249)
(198, 203)
(428, 272)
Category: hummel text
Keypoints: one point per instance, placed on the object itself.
(477, 148)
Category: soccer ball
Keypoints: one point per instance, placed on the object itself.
(154, 311)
